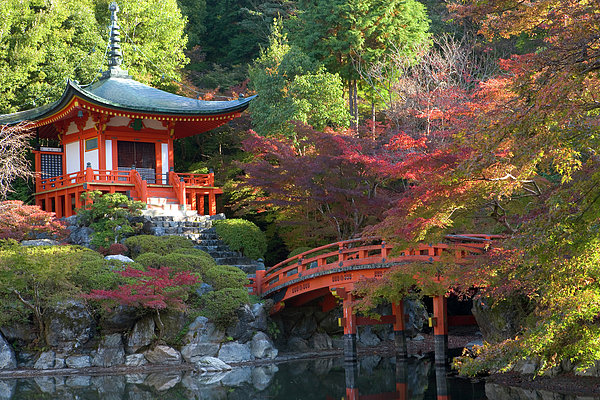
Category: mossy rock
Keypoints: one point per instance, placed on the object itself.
(156, 244)
(226, 276)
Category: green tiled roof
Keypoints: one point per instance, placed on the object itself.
(126, 94)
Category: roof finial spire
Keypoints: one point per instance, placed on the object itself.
(114, 55)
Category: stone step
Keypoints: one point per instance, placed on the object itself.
(213, 248)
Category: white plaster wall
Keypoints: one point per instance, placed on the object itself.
(72, 157)
(109, 155)
(164, 154)
(92, 158)
(72, 128)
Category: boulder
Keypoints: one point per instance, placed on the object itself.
(417, 317)
(81, 235)
(70, 221)
(235, 352)
(163, 355)
(304, 327)
(242, 330)
(203, 331)
(69, 325)
(135, 360)
(174, 322)
(120, 319)
(260, 317)
(203, 289)
(120, 258)
(23, 333)
(194, 351)
(261, 346)
(78, 361)
(45, 360)
(298, 344)
(320, 341)
(110, 352)
(7, 355)
(40, 242)
(211, 364)
(142, 335)
(368, 338)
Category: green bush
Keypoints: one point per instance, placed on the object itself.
(33, 279)
(200, 263)
(226, 276)
(156, 244)
(242, 235)
(220, 306)
(109, 215)
(209, 261)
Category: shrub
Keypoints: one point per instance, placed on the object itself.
(220, 306)
(225, 276)
(33, 279)
(210, 262)
(242, 235)
(109, 216)
(156, 244)
(177, 261)
(113, 249)
(20, 222)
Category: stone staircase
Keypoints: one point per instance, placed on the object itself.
(199, 229)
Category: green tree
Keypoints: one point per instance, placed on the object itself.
(43, 42)
(339, 32)
(293, 87)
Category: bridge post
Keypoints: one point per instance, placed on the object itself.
(401, 378)
(440, 328)
(259, 279)
(350, 353)
(399, 335)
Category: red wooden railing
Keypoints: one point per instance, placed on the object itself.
(141, 186)
(333, 257)
(87, 175)
(206, 180)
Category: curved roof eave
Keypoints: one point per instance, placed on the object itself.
(203, 107)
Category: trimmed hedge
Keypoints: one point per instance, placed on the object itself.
(200, 263)
(242, 235)
(156, 244)
(226, 276)
(220, 306)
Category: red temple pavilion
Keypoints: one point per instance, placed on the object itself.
(116, 135)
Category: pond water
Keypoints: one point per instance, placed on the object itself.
(371, 378)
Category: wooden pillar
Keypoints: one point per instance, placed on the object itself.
(212, 203)
(259, 279)
(68, 206)
(350, 353)
(59, 202)
(201, 204)
(193, 204)
(399, 334)
(440, 328)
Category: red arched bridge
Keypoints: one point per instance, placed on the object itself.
(330, 272)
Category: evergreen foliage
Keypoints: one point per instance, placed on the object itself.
(178, 261)
(220, 306)
(241, 235)
(43, 42)
(226, 276)
(157, 244)
(109, 215)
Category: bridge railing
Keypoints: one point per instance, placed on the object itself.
(363, 251)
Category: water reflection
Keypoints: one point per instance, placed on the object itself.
(371, 378)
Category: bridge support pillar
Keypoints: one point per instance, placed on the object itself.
(399, 335)
(350, 353)
(440, 328)
(401, 378)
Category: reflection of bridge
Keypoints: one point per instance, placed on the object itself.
(330, 272)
